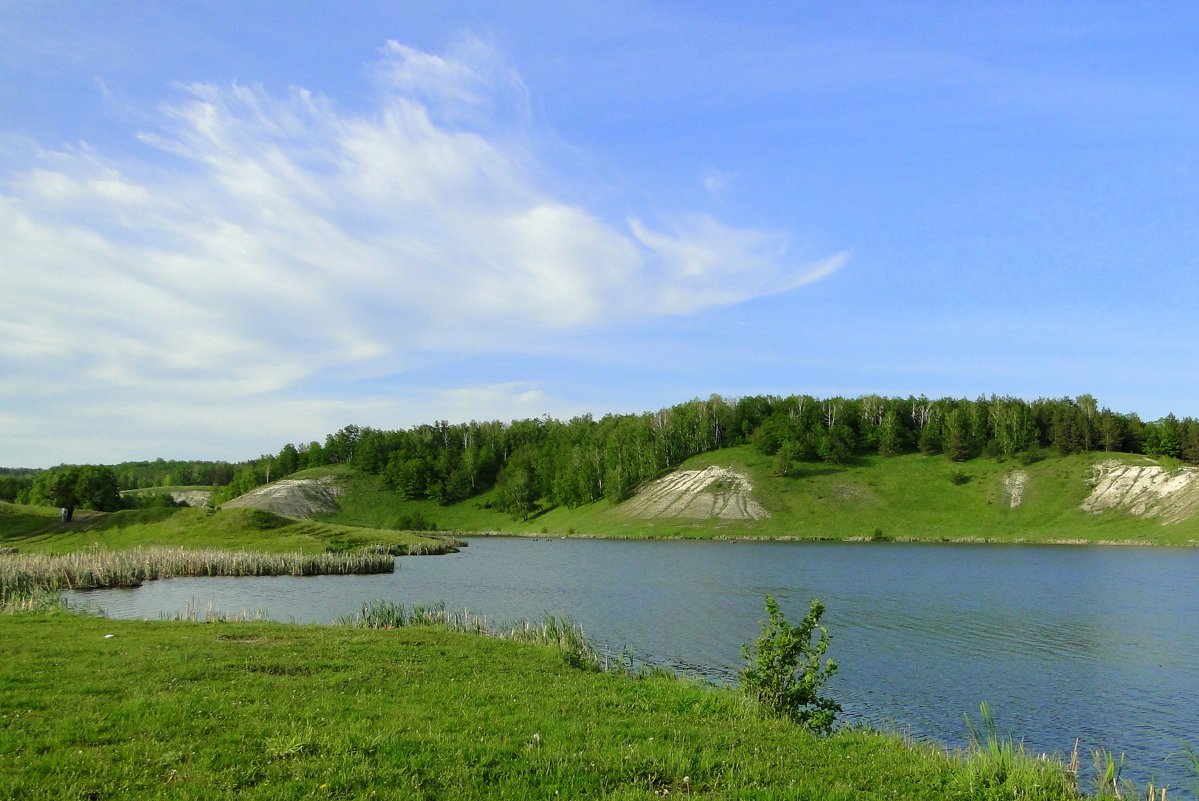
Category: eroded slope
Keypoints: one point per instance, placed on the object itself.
(714, 492)
(1147, 490)
(292, 497)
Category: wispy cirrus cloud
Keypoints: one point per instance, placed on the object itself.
(263, 244)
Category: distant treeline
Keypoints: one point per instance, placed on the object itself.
(546, 462)
(99, 486)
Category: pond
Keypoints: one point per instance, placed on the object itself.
(1096, 643)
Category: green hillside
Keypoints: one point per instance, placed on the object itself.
(901, 497)
(37, 529)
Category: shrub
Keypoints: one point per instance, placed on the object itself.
(413, 521)
(784, 673)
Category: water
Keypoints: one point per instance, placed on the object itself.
(1062, 642)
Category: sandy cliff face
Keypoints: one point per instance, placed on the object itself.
(1148, 490)
(292, 497)
(714, 492)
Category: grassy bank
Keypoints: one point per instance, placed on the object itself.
(35, 529)
(910, 497)
(95, 708)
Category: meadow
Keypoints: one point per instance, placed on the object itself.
(385, 707)
(35, 529)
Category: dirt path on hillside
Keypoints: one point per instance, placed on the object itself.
(714, 492)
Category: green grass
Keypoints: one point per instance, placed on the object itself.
(34, 529)
(96, 708)
(911, 497)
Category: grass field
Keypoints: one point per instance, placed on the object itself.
(35, 529)
(94, 708)
(906, 497)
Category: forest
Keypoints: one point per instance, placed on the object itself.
(543, 462)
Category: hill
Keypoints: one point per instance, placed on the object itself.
(1095, 497)
(37, 529)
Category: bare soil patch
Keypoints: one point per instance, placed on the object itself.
(292, 497)
(714, 492)
(1013, 487)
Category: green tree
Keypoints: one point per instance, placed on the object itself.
(96, 488)
(516, 487)
(785, 458)
(87, 486)
(955, 442)
(889, 434)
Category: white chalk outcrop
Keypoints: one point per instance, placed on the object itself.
(291, 497)
(1013, 487)
(1147, 490)
(714, 492)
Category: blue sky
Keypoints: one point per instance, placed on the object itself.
(228, 226)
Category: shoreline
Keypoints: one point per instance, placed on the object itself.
(738, 538)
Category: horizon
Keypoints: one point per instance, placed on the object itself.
(227, 229)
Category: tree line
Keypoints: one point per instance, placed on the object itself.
(543, 462)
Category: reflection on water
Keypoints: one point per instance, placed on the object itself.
(1096, 643)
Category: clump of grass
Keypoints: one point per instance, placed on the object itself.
(1192, 759)
(211, 614)
(436, 547)
(997, 766)
(1107, 774)
(561, 633)
(29, 599)
(558, 632)
(98, 568)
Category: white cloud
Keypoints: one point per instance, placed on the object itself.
(704, 263)
(267, 243)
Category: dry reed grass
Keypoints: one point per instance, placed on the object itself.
(21, 575)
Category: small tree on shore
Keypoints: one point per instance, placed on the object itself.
(783, 672)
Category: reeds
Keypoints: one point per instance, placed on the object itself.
(435, 547)
(997, 765)
(558, 632)
(210, 614)
(97, 568)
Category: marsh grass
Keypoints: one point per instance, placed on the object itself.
(30, 599)
(96, 568)
(1191, 757)
(560, 633)
(998, 766)
(192, 613)
(436, 546)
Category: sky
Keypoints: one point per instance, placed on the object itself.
(229, 226)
